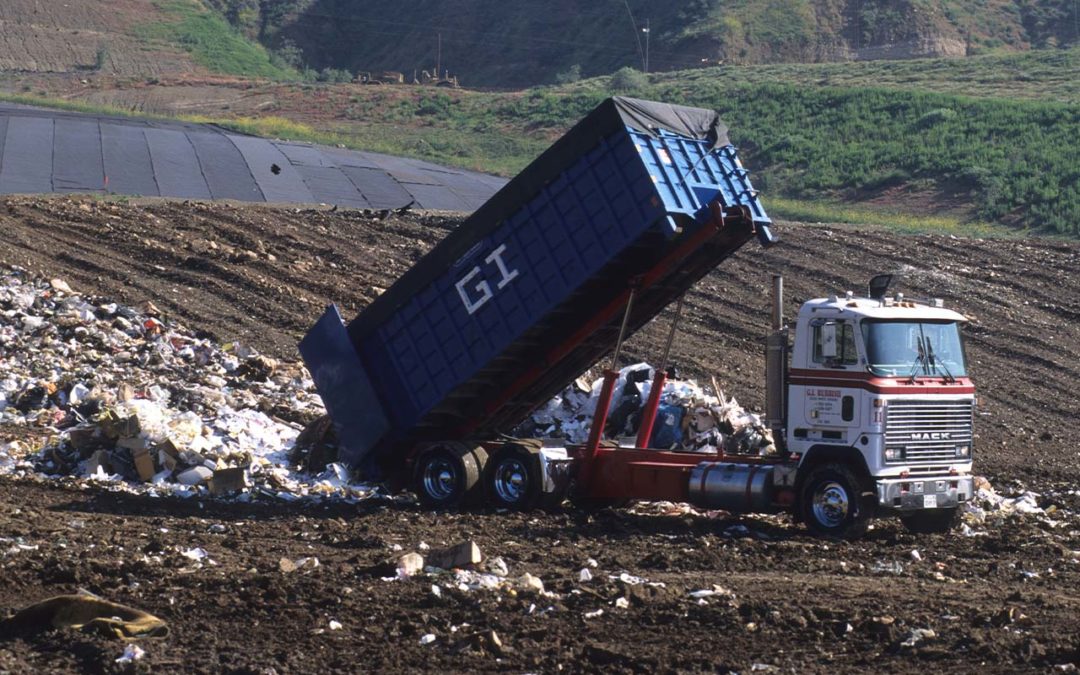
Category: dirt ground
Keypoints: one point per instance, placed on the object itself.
(999, 602)
(74, 41)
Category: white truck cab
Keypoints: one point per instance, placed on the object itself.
(880, 385)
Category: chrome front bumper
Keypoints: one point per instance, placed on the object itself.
(924, 492)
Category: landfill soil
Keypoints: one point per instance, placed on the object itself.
(679, 590)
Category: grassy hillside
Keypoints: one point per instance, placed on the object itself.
(1014, 162)
(127, 38)
(493, 43)
(211, 41)
(1042, 75)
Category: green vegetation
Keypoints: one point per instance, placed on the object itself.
(212, 42)
(1043, 75)
(1015, 161)
(1010, 162)
(627, 81)
(889, 218)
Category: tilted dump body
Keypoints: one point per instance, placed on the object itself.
(530, 290)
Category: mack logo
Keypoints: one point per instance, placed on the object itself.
(931, 436)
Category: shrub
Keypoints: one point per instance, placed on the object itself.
(628, 80)
(569, 76)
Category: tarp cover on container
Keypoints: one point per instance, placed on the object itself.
(611, 116)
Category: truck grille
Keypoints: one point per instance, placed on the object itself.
(928, 431)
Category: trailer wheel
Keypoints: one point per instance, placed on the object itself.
(831, 502)
(449, 475)
(934, 521)
(513, 478)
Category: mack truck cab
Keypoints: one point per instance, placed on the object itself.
(877, 410)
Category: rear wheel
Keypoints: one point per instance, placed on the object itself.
(831, 502)
(513, 478)
(449, 475)
(931, 521)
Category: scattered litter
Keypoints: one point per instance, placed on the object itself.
(915, 555)
(462, 555)
(585, 575)
(710, 592)
(893, 567)
(917, 635)
(594, 614)
(300, 564)
(622, 603)
(196, 554)
(131, 653)
(335, 625)
(497, 566)
(529, 582)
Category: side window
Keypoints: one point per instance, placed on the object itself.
(834, 343)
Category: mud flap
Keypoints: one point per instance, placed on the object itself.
(346, 390)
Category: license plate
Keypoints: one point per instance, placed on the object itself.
(929, 501)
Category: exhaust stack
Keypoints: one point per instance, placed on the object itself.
(776, 366)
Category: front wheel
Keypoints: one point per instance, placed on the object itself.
(831, 502)
(931, 521)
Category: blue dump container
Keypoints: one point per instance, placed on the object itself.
(509, 308)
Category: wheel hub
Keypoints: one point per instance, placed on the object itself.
(511, 481)
(831, 504)
(440, 479)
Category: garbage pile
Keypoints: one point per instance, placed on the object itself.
(688, 418)
(111, 393)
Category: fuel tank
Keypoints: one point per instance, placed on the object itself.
(740, 488)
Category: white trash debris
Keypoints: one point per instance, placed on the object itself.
(427, 639)
(688, 418)
(132, 399)
(585, 575)
(497, 566)
(917, 635)
(196, 554)
(529, 582)
(131, 653)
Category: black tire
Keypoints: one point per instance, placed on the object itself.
(513, 478)
(931, 521)
(448, 475)
(831, 502)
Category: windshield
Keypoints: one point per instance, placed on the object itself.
(903, 348)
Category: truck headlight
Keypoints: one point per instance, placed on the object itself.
(963, 451)
(893, 454)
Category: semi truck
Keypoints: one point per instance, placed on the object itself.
(869, 401)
